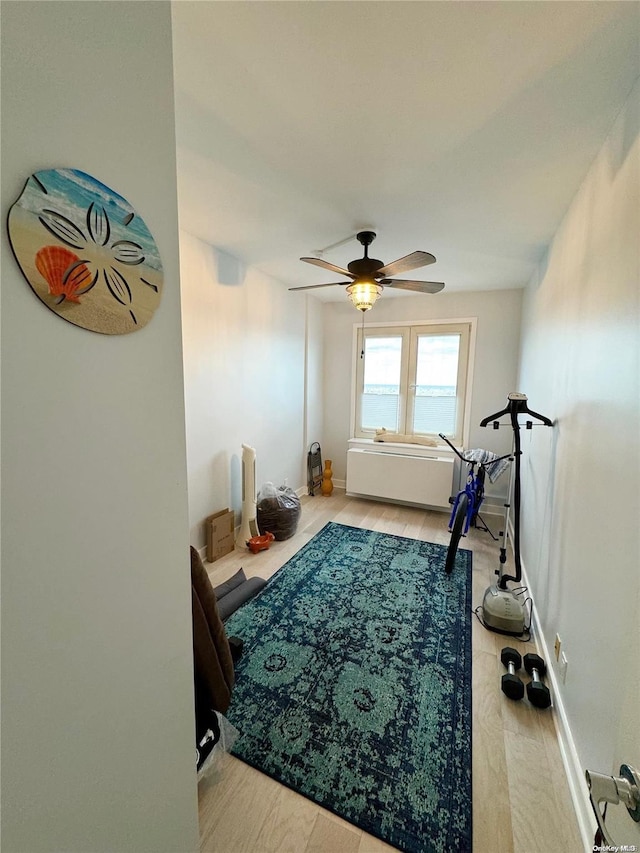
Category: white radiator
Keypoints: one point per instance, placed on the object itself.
(425, 480)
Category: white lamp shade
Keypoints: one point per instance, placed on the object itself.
(363, 294)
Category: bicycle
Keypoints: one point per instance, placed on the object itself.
(467, 503)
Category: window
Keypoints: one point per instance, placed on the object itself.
(412, 379)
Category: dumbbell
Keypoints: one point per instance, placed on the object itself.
(512, 685)
(537, 692)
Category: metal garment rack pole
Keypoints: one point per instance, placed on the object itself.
(516, 406)
(504, 535)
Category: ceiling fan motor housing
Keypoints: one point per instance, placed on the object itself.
(364, 266)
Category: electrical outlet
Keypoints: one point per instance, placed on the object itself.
(286, 481)
(563, 667)
(556, 646)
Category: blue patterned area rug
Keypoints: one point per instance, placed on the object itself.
(354, 688)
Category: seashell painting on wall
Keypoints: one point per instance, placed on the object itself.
(86, 253)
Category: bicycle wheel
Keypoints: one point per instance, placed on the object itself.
(456, 532)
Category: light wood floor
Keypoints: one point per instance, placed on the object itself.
(521, 801)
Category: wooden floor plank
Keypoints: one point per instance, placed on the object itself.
(571, 829)
(491, 826)
(234, 811)
(329, 836)
(537, 818)
(289, 824)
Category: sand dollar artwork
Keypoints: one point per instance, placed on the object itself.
(85, 252)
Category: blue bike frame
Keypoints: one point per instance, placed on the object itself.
(472, 496)
(474, 489)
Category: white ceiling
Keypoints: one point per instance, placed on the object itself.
(459, 128)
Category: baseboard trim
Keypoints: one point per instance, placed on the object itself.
(573, 768)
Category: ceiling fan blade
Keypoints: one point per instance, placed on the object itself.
(318, 262)
(409, 262)
(312, 286)
(417, 286)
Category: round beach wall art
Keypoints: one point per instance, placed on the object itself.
(85, 252)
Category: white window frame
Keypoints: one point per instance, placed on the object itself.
(405, 328)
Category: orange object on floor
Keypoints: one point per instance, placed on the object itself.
(260, 543)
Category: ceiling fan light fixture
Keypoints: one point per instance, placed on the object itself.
(363, 294)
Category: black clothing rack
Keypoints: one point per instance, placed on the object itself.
(314, 468)
(516, 405)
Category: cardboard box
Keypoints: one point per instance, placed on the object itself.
(220, 529)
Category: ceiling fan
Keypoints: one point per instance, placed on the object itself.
(369, 276)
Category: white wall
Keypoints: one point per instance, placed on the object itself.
(248, 345)
(97, 678)
(581, 508)
(495, 366)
